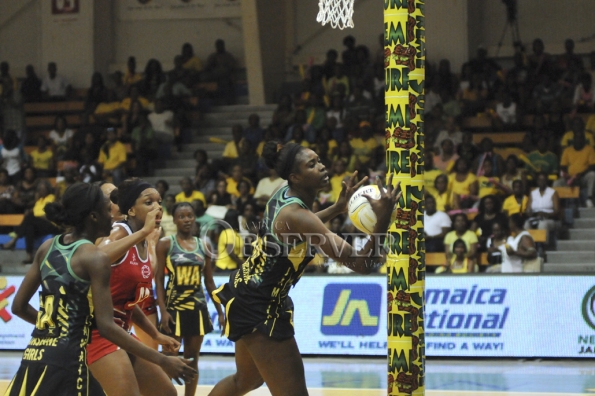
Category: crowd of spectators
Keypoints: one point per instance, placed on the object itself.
(479, 197)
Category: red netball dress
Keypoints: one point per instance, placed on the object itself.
(130, 284)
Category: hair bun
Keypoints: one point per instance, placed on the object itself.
(271, 152)
(56, 213)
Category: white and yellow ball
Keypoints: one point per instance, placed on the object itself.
(360, 211)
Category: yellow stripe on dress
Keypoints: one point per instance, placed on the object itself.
(202, 326)
(39, 382)
(227, 316)
(178, 331)
(23, 391)
(215, 296)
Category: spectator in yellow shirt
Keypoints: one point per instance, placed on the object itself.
(236, 177)
(133, 96)
(461, 231)
(131, 77)
(365, 145)
(230, 245)
(339, 174)
(578, 126)
(517, 202)
(34, 223)
(189, 194)
(112, 157)
(463, 185)
(578, 167)
(42, 159)
(189, 60)
(232, 149)
(443, 196)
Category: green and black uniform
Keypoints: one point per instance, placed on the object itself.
(256, 296)
(55, 361)
(185, 300)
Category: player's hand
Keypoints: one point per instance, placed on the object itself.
(349, 188)
(384, 206)
(154, 236)
(178, 369)
(150, 220)
(169, 344)
(166, 320)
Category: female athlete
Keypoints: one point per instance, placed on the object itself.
(66, 267)
(131, 284)
(259, 311)
(183, 308)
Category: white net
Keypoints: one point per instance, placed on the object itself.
(339, 13)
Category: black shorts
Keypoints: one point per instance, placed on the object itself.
(45, 379)
(196, 322)
(245, 316)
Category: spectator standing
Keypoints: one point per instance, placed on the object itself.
(153, 78)
(131, 77)
(54, 86)
(540, 62)
(144, 145)
(220, 67)
(96, 94)
(112, 157)
(436, 225)
(190, 61)
(349, 56)
(31, 86)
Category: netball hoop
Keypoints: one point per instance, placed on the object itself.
(339, 13)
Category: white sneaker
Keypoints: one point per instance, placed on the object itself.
(589, 203)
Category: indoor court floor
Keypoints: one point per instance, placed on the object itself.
(367, 377)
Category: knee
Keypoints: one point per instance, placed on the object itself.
(247, 384)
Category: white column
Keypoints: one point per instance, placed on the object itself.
(252, 53)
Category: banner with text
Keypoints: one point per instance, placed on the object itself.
(177, 9)
(476, 316)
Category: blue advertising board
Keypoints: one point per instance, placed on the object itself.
(467, 315)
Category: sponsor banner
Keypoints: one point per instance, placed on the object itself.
(475, 316)
(177, 9)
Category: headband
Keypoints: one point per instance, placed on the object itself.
(285, 169)
(126, 201)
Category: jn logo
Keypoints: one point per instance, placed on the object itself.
(588, 307)
(351, 309)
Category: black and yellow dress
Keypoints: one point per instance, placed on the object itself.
(185, 298)
(256, 296)
(55, 361)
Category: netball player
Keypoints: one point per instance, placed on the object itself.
(118, 372)
(66, 267)
(149, 305)
(259, 311)
(183, 308)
